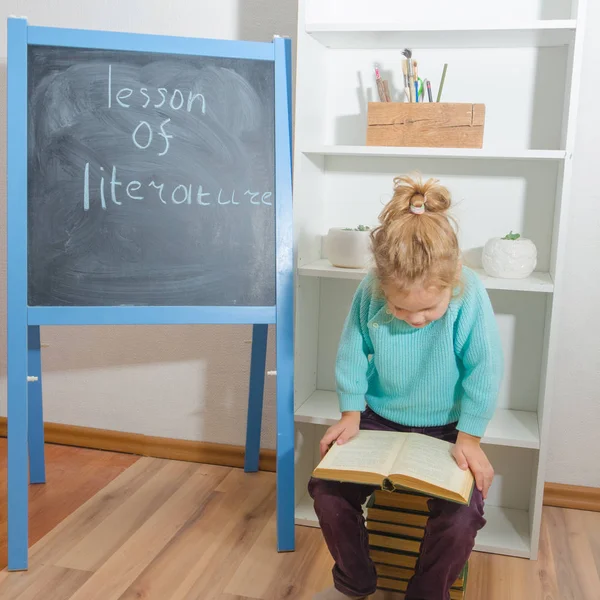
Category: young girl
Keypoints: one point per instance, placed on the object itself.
(421, 349)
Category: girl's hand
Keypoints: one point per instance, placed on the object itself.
(468, 454)
(343, 431)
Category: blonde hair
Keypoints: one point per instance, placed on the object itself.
(416, 241)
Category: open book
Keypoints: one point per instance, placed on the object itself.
(391, 460)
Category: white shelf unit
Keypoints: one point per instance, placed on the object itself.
(526, 71)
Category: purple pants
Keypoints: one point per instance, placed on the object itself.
(446, 547)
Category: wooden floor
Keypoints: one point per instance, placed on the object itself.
(75, 475)
(163, 530)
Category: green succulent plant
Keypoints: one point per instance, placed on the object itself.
(359, 228)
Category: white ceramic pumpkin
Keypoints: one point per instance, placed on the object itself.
(348, 248)
(511, 257)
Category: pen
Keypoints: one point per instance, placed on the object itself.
(416, 80)
(429, 90)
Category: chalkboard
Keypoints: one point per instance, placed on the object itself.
(150, 179)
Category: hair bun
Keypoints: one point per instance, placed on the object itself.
(437, 197)
(416, 240)
(414, 192)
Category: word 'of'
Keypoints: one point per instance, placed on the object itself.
(146, 136)
(175, 99)
(180, 194)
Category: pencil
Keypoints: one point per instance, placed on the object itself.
(386, 89)
(439, 96)
(380, 88)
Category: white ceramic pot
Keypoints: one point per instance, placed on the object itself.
(348, 248)
(509, 259)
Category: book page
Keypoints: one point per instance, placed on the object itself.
(369, 452)
(430, 460)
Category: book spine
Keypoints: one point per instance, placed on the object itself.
(398, 517)
(405, 501)
(395, 543)
(393, 557)
(414, 533)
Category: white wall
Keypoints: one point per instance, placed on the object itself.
(191, 382)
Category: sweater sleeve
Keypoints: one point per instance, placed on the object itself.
(477, 342)
(352, 362)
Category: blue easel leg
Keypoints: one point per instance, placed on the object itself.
(286, 507)
(16, 338)
(255, 396)
(285, 300)
(18, 485)
(37, 466)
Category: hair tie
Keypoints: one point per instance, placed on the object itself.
(418, 209)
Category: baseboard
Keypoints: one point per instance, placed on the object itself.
(145, 445)
(572, 496)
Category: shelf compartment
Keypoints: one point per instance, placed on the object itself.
(536, 282)
(507, 532)
(386, 35)
(402, 152)
(517, 428)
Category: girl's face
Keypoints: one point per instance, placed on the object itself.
(419, 306)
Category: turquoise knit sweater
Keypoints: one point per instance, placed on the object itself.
(446, 372)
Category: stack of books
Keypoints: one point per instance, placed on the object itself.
(396, 524)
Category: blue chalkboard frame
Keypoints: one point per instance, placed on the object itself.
(25, 415)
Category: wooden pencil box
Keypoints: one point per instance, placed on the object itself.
(425, 125)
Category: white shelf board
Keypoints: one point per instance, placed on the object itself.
(506, 532)
(515, 428)
(462, 35)
(405, 152)
(518, 428)
(323, 268)
(536, 282)
(321, 408)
